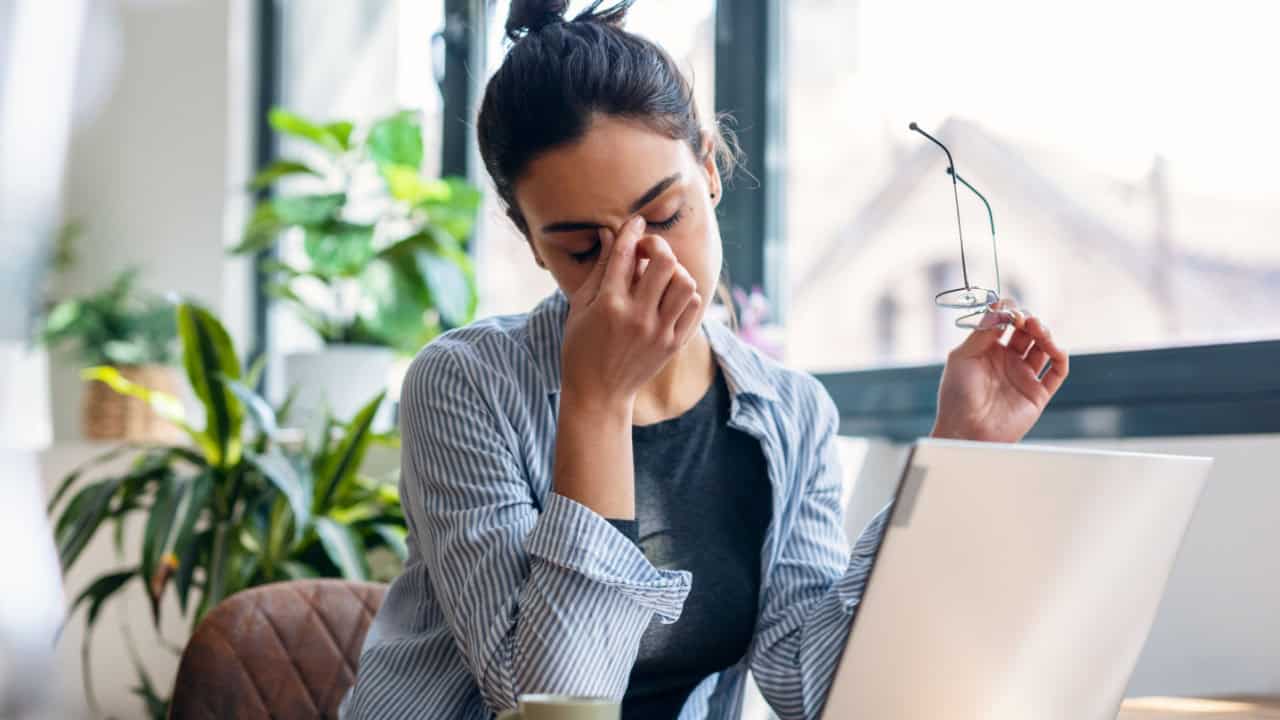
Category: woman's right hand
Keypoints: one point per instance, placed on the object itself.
(621, 332)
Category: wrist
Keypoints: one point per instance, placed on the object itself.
(606, 408)
(593, 456)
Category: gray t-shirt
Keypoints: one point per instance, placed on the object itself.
(703, 503)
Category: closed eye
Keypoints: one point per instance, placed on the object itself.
(585, 255)
(669, 222)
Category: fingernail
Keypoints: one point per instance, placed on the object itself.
(636, 221)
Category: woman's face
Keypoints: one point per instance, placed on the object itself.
(618, 170)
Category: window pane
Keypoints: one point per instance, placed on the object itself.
(509, 280)
(1127, 151)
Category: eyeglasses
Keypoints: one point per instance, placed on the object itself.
(969, 297)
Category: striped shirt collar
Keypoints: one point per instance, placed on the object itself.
(745, 371)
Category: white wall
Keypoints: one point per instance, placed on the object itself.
(1218, 629)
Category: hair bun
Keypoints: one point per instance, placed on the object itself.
(529, 16)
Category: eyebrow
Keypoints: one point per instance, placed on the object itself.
(649, 196)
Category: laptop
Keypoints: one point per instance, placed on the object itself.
(1014, 582)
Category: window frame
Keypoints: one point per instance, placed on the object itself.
(269, 58)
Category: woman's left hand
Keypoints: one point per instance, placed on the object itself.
(991, 391)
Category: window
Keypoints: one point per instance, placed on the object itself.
(509, 280)
(1126, 150)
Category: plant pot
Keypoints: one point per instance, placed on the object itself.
(111, 417)
(341, 379)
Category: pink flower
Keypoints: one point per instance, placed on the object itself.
(753, 312)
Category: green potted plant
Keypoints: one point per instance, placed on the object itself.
(241, 504)
(130, 330)
(372, 255)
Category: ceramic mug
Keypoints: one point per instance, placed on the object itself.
(563, 707)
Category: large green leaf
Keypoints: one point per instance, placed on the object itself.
(451, 279)
(397, 140)
(456, 212)
(261, 231)
(339, 249)
(292, 483)
(406, 184)
(189, 556)
(279, 169)
(155, 538)
(459, 223)
(308, 209)
(210, 360)
(63, 318)
(126, 352)
(99, 591)
(462, 194)
(75, 474)
(341, 465)
(328, 137)
(160, 522)
(344, 548)
(259, 409)
(295, 570)
(341, 131)
(399, 302)
(82, 518)
(196, 503)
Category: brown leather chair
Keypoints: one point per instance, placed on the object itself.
(285, 650)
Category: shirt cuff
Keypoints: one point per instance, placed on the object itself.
(576, 538)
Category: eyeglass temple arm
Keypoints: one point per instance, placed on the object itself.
(990, 218)
(951, 163)
(951, 166)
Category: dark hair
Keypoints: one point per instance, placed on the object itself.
(559, 73)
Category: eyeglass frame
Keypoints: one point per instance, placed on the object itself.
(992, 296)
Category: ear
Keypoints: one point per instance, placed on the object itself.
(714, 184)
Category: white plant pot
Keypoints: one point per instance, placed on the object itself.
(341, 378)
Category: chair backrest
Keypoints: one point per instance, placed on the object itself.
(285, 650)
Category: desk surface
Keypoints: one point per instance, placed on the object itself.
(1189, 709)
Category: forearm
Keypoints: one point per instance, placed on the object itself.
(593, 462)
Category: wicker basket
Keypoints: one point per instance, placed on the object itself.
(110, 416)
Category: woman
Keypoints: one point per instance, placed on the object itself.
(607, 496)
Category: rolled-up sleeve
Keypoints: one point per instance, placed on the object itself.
(814, 590)
(538, 599)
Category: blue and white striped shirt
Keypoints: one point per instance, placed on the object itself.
(510, 588)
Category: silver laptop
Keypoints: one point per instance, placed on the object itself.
(1014, 582)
